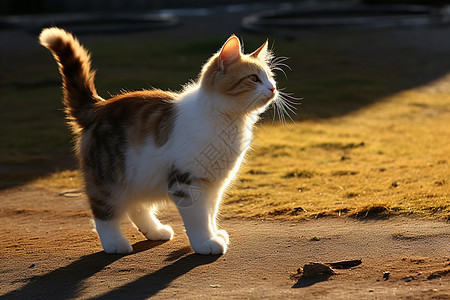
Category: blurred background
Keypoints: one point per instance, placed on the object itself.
(344, 57)
(53, 6)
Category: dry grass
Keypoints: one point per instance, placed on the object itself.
(391, 158)
(60, 182)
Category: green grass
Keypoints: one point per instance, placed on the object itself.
(370, 142)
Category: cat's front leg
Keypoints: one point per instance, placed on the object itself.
(202, 236)
(220, 232)
(196, 204)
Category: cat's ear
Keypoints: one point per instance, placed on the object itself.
(230, 52)
(261, 52)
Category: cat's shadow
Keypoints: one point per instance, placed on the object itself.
(67, 282)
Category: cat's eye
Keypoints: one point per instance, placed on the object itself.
(254, 78)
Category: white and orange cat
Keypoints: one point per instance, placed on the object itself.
(142, 149)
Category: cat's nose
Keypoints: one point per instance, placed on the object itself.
(272, 89)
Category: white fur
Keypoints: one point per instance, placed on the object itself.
(144, 218)
(111, 237)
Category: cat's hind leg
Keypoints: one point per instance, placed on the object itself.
(144, 217)
(111, 237)
(107, 216)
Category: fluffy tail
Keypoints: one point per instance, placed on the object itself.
(80, 95)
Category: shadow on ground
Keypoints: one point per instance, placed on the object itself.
(306, 282)
(67, 282)
(150, 285)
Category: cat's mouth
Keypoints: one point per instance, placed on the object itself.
(264, 101)
(270, 98)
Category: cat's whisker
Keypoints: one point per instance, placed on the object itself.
(291, 100)
(289, 96)
(285, 104)
(281, 70)
(281, 112)
(277, 63)
(289, 107)
(293, 121)
(283, 65)
(287, 113)
(278, 110)
(289, 103)
(284, 118)
(275, 110)
(279, 59)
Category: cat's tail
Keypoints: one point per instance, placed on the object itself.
(80, 95)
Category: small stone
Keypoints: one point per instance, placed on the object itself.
(317, 270)
(32, 266)
(439, 274)
(408, 278)
(386, 275)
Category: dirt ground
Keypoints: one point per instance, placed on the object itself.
(50, 251)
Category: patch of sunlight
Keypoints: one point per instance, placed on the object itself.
(60, 181)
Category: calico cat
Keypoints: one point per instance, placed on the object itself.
(145, 148)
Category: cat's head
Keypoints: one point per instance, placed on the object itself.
(245, 81)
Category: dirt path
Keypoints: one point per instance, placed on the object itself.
(49, 251)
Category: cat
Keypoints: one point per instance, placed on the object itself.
(142, 149)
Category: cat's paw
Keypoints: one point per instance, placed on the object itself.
(163, 233)
(117, 246)
(223, 234)
(213, 246)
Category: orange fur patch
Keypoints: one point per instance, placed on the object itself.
(143, 113)
(234, 80)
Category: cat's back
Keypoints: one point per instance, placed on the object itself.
(124, 108)
(137, 115)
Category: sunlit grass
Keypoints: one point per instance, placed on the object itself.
(391, 158)
(60, 182)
